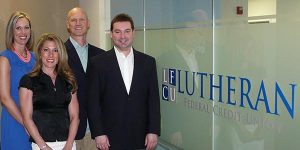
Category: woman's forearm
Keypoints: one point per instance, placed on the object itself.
(33, 131)
(72, 130)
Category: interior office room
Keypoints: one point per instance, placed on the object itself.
(227, 69)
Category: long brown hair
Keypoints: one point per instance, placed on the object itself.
(62, 68)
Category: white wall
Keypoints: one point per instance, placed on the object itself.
(96, 13)
(261, 7)
(46, 16)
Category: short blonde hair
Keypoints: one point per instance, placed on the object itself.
(62, 68)
(9, 38)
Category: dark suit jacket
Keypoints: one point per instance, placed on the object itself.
(124, 118)
(80, 75)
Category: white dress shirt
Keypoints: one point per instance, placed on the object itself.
(126, 65)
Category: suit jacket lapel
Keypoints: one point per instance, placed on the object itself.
(91, 53)
(136, 71)
(117, 70)
(73, 56)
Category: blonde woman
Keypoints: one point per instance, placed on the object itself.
(48, 98)
(15, 61)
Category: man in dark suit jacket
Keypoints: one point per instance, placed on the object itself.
(79, 53)
(123, 103)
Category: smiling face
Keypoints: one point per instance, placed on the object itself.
(21, 32)
(49, 55)
(77, 23)
(122, 35)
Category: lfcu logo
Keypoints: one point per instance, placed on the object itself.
(169, 84)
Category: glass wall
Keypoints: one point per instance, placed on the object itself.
(256, 56)
(226, 70)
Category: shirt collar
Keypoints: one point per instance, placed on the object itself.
(119, 54)
(76, 44)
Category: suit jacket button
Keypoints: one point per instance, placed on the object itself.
(129, 99)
